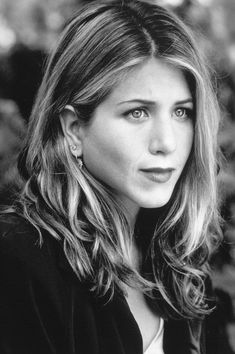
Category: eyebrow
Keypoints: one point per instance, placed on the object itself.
(151, 103)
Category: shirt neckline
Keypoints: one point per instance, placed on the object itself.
(157, 335)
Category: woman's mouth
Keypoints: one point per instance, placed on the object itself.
(158, 174)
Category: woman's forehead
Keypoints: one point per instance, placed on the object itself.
(146, 79)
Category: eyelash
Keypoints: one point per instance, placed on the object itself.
(139, 109)
(188, 113)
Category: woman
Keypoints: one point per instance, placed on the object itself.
(107, 247)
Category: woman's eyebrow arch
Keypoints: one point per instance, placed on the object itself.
(149, 102)
(187, 100)
(138, 100)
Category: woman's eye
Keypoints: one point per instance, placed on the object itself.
(136, 114)
(183, 113)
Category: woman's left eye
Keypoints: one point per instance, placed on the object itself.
(137, 114)
(183, 113)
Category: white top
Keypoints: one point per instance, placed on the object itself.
(156, 346)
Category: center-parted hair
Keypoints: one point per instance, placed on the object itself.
(100, 44)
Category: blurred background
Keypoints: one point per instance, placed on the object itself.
(29, 29)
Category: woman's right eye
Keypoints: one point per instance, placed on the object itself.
(137, 114)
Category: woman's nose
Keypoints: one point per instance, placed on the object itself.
(162, 136)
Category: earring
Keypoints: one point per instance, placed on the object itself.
(73, 147)
(80, 163)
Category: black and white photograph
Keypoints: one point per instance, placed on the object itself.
(117, 177)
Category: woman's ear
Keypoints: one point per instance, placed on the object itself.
(71, 129)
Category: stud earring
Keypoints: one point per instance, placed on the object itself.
(73, 147)
(80, 163)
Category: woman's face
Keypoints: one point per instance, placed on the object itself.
(141, 135)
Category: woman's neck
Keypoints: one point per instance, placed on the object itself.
(132, 211)
(135, 256)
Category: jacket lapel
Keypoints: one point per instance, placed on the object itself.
(181, 336)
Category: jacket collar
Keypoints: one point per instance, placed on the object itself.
(182, 336)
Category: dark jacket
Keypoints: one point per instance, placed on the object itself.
(45, 309)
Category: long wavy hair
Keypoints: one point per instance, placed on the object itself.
(101, 43)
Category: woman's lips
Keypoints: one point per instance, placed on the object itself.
(159, 175)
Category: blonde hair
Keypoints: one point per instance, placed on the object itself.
(100, 44)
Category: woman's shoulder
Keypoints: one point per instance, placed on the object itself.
(20, 240)
(16, 229)
(33, 250)
(13, 222)
(29, 266)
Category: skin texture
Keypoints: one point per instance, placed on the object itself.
(127, 135)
